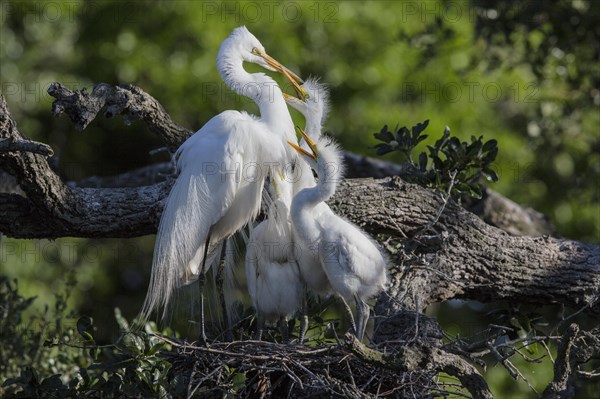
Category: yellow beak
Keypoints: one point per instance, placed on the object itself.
(310, 142)
(294, 79)
(302, 151)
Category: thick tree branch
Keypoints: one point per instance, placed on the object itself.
(33, 173)
(12, 145)
(460, 257)
(128, 100)
(134, 103)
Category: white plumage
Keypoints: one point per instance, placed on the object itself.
(272, 275)
(354, 266)
(222, 169)
(274, 260)
(314, 108)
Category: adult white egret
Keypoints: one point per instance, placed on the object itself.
(354, 265)
(222, 169)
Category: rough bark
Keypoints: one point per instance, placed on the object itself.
(127, 100)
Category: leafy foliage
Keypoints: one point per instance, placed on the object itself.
(47, 358)
(66, 361)
(455, 164)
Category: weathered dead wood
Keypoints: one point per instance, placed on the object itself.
(127, 100)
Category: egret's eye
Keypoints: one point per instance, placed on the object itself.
(255, 51)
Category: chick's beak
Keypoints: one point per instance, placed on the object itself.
(310, 142)
(294, 79)
(302, 151)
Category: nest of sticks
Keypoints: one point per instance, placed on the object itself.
(264, 369)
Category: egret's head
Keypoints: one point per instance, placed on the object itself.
(316, 104)
(324, 156)
(245, 45)
(309, 156)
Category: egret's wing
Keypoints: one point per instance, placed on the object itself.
(360, 264)
(201, 195)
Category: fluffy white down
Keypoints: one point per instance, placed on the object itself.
(352, 262)
(273, 278)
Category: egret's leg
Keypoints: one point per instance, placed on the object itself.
(201, 281)
(349, 314)
(362, 316)
(285, 332)
(303, 319)
(228, 334)
(260, 325)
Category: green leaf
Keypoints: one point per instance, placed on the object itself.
(475, 191)
(134, 343)
(53, 382)
(490, 145)
(382, 149)
(423, 161)
(384, 135)
(418, 128)
(121, 321)
(85, 327)
(239, 382)
(489, 174)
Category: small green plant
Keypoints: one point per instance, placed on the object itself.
(454, 164)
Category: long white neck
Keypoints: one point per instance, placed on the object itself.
(313, 125)
(330, 173)
(263, 90)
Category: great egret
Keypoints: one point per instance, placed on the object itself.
(314, 108)
(353, 264)
(222, 169)
(272, 274)
(272, 257)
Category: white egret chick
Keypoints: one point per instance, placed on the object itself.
(222, 170)
(314, 107)
(272, 274)
(355, 267)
